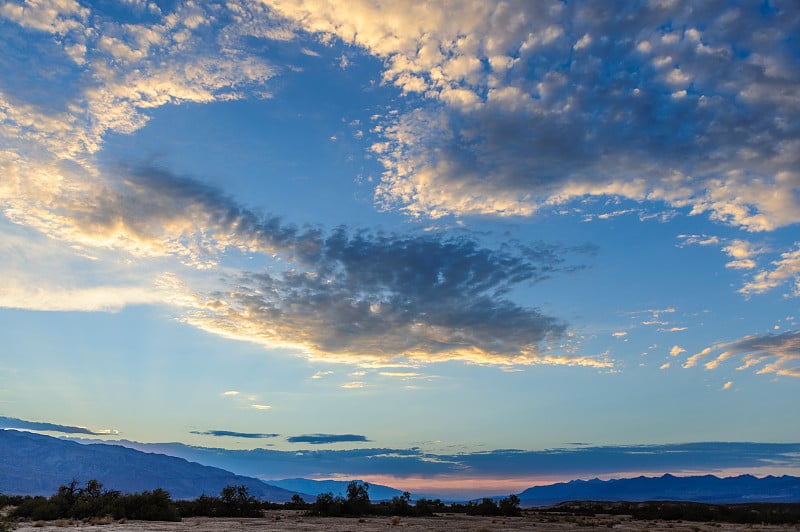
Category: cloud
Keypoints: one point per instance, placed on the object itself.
(321, 439)
(515, 117)
(777, 354)
(257, 406)
(665, 365)
(785, 270)
(727, 385)
(676, 350)
(14, 423)
(337, 296)
(619, 334)
(564, 463)
(231, 434)
(354, 385)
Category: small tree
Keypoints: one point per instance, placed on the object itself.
(327, 505)
(401, 505)
(237, 502)
(357, 498)
(510, 506)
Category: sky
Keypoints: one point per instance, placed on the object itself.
(457, 233)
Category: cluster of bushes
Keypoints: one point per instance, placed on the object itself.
(357, 503)
(93, 501)
(73, 502)
(233, 501)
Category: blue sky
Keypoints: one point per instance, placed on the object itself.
(456, 227)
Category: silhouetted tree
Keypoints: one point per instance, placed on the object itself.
(510, 506)
(357, 498)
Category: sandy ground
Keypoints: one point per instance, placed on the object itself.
(290, 520)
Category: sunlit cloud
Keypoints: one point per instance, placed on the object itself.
(431, 172)
(257, 406)
(785, 270)
(676, 350)
(727, 385)
(777, 354)
(353, 385)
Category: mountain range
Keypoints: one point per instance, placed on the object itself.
(706, 489)
(34, 464)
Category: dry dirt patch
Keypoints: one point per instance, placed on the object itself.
(296, 521)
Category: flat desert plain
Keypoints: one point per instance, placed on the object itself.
(296, 521)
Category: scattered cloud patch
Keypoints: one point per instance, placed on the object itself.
(727, 385)
(777, 354)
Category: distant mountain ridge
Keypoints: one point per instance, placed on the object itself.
(34, 464)
(706, 489)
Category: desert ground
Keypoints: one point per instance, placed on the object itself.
(296, 521)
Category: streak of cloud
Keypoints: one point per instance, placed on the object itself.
(323, 439)
(14, 423)
(233, 434)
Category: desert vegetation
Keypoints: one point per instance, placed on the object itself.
(234, 507)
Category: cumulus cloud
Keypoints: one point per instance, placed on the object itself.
(322, 439)
(534, 104)
(777, 354)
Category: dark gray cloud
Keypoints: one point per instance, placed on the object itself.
(345, 293)
(232, 434)
(389, 295)
(14, 423)
(321, 439)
